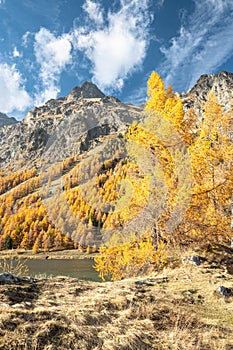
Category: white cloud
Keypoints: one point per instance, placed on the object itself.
(16, 52)
(53, 54)
(25, 38)
(137, 96)
(94, 11)
(115, 43)
(119, 47)
(13, 95)
(203, 44)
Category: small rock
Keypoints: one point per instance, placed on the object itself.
(139, 283)
(18, 306)
(193, 259)
(223, 291)
(6, 278)
(185, 259)
(30, 279)
(143, 283)
(158, 280)
(196, 260)
(28, 304)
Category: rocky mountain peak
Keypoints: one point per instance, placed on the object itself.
(86, 90)
(85, 111)
(79, 98)
(5, 120)
(213, 81)
(222, 86)
(87, 108)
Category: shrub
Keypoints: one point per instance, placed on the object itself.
(130, 259)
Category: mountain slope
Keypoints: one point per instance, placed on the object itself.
(66, 165)
(222, 86)
(5, 120)
(86, 107)
(23, 143)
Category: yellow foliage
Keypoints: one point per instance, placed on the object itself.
(164, 101)
(129, 259)
(211, 153)
(107, 191)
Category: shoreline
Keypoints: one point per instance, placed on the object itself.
(55, 255)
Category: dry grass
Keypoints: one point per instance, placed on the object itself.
(14, 266)
(175, 310)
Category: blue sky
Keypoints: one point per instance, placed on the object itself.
(49, 46)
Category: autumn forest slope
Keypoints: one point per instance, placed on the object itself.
(86, 169)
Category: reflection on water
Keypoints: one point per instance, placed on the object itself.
(78, 268)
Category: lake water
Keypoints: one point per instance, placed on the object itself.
(78, 268)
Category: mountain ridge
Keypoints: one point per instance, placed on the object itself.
(85, 106)
(222, 86)
(5, 120)
(81, 153)
(22, 143)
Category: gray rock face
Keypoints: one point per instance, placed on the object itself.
(86, 90)
(221, 84)
(86, 111)
(5, 120)
(79, 98)
(21, 145)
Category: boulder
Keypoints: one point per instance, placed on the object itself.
(224, 291)
(193, 259)
(8, 278)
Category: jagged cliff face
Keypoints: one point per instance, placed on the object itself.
(222, 86)
(88, 114)
(86, 111)
(79, 99)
